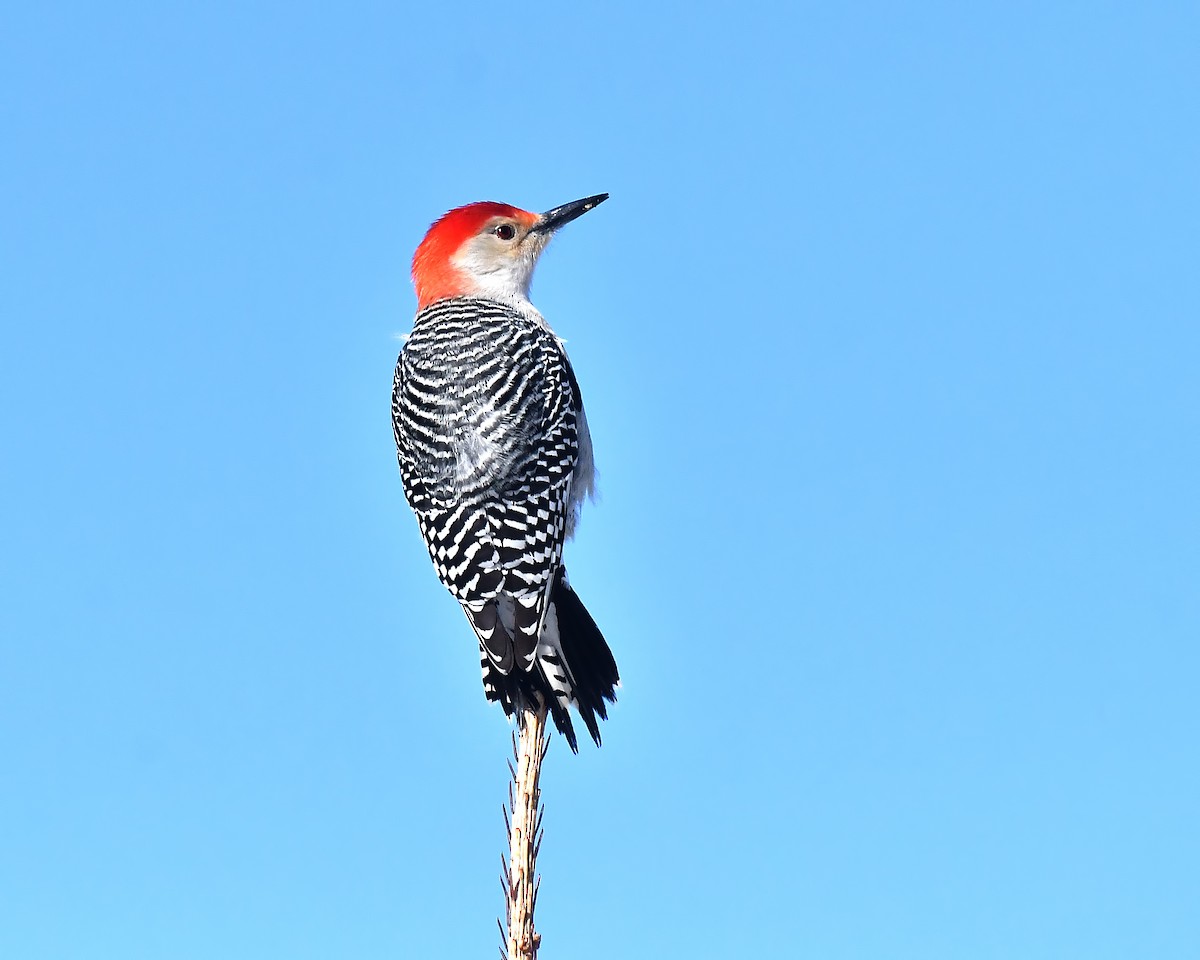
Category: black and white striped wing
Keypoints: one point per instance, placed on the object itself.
(486, 414)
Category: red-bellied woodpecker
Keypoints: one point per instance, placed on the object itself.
(496, 458)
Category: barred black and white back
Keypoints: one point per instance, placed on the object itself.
(496, 461)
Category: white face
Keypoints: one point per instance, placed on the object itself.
(501, 257)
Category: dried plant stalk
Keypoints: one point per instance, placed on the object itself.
(524, 819)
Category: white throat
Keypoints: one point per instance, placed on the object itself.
(503, 276)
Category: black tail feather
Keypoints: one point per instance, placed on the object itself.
(589, 663)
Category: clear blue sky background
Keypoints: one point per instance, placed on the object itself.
(889, 338)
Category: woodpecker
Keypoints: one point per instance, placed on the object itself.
(496, 459)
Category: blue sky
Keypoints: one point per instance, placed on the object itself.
(889, 341)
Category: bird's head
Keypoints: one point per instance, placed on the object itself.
(488, 250)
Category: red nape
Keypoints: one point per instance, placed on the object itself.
(433, 274)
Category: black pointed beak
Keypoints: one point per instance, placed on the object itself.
(551, 220)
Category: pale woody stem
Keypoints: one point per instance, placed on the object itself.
(524, 837)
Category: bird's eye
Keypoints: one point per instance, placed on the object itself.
(505, 231)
